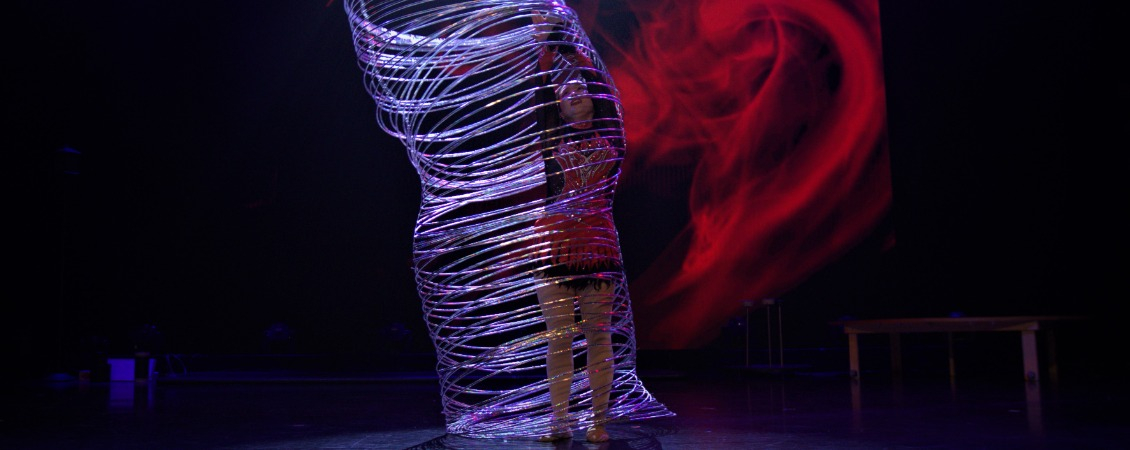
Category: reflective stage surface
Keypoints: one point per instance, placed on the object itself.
(720, 409)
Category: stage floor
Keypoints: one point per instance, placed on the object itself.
(721, 410)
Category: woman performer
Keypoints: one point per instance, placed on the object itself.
(582, 147)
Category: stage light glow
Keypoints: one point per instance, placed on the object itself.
(779, 107)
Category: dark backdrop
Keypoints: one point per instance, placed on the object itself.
(1008, 134)
(232, 178)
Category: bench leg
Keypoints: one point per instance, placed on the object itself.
(952, 361)
(853, 355)
(896, 355)
(1031, 362)
(1049, 350)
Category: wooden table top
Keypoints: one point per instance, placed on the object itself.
(948, 324)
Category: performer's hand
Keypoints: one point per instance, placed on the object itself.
(544, 25)
(578, 59)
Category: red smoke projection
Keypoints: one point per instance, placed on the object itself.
(779, 107)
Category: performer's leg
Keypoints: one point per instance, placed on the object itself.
(557, 306)
(596, 321)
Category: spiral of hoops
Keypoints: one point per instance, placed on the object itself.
(454, 81)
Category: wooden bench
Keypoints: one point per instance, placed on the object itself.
(1026, 325)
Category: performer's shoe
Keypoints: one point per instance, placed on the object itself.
(596, 433)
(556, 433)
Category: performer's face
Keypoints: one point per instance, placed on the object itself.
(576, 104)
